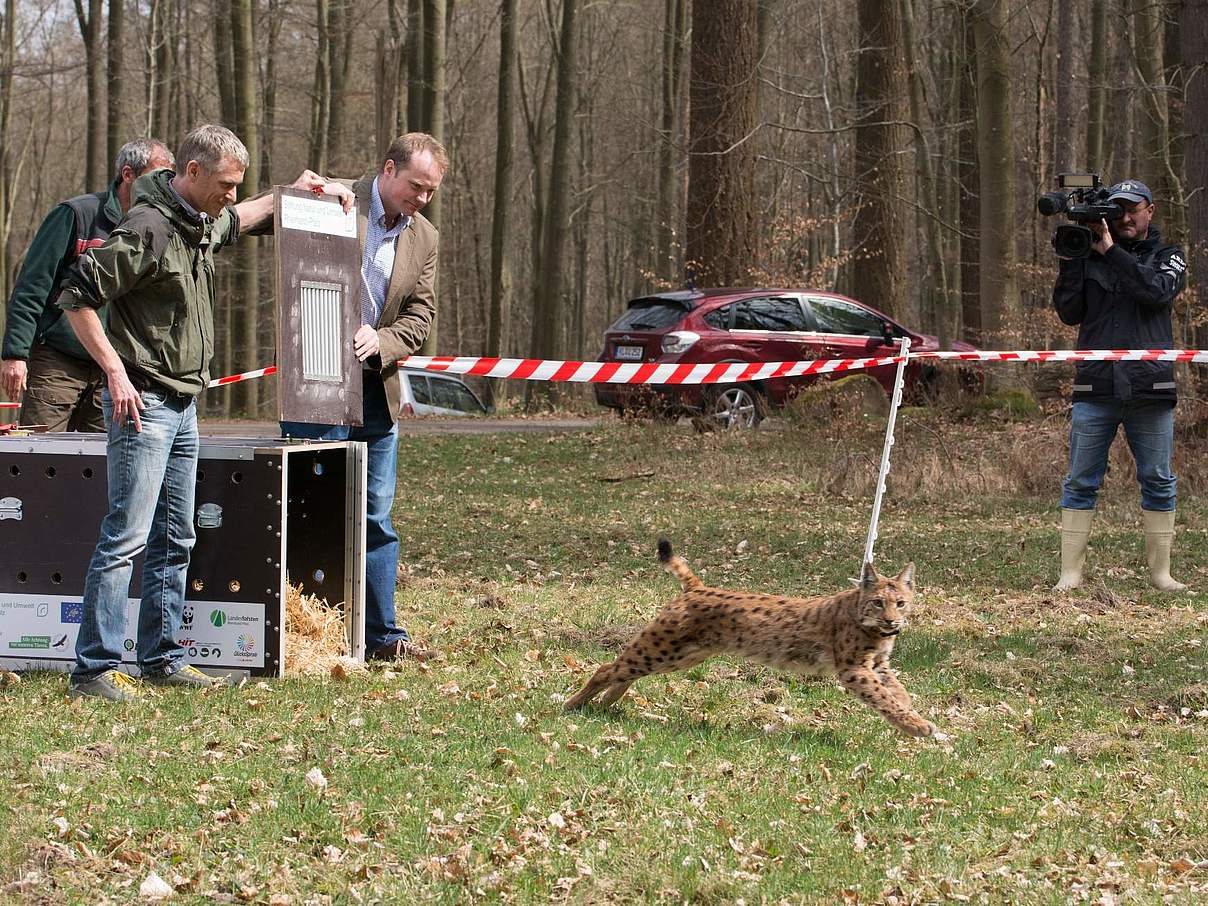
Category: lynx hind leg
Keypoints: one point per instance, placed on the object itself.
(865, 685)
(615, 693)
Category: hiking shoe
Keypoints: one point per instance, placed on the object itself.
(188, 675)
(402, 649)
(112, 685)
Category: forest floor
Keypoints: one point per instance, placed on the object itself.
(1073, 768)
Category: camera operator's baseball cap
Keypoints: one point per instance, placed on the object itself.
(1131, 190)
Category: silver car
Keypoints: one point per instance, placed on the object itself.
(428, 393)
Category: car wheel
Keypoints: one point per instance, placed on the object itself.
(735, 406)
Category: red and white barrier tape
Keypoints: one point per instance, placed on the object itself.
(637, 372)
(732, 372)
(1072, 355)
(246, 376)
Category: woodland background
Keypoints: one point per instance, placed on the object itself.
(888, 149)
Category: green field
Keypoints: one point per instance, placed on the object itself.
(1078, 725)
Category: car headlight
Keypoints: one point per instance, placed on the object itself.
(679, 341)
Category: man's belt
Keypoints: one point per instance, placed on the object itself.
(144, 383)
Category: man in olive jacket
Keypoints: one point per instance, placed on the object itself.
(397, 304)
(1120, 297)
(155, 273)
(42, 359)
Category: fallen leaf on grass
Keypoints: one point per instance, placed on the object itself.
(154, 888)
(314, 778)
(347, 667)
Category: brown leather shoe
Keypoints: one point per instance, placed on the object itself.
(402, 649)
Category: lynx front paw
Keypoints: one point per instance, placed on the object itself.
(918, 726)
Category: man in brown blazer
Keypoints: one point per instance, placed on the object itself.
(397, 304)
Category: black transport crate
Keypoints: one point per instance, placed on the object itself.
(267, 512)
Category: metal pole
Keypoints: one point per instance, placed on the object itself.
(894, 403)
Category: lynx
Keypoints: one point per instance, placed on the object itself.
(849, 634)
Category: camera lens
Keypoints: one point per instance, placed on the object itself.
(1072, 241)
(1051, 203)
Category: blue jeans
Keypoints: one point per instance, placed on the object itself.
(152, 477)
(1149, 429)
(380, 434)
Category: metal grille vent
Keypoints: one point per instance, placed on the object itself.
(322, 304)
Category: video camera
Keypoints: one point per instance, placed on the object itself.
(1083, 199)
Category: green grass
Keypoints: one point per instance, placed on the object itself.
(1075, 768)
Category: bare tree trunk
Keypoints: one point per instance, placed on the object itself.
(721, 238)
(1154, 125)
(996, 165)
(434, 116)
(113, 120)
(834, 191)
(551, 278)
(969, 204)
(1065, 154)
(497, 320)
(1193, 35)
(224, 67)
(320, 104)
(339, 46)
(94, 125)
(415, 66)
(248, 128)
(935, 281)
(675, 37)
(8, 56)
(880, 225)
(1096, 106)
(270, 91)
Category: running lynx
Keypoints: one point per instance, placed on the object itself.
(849, 634)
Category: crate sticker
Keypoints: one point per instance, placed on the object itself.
(42, 630)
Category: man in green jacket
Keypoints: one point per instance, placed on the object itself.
(42, 359)
(155, 273)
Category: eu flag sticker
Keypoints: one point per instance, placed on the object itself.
(71, 612)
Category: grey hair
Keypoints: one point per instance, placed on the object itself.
(210, 145)
(137, 155)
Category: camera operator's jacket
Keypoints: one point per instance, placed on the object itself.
(1122, 300)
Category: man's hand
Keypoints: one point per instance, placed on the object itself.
(126, 400)
(313, 182)
(12, 378)
(1103, 237)
(365, 343)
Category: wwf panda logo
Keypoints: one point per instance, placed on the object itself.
(186, 616)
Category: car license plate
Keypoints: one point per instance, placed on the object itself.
(629, 353)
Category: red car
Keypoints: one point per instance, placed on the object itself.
(750, 325)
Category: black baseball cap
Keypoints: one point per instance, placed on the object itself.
(1131, 190)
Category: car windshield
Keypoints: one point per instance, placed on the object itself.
(649, 314)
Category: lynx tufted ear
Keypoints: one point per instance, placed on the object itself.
(906, 576)
(868, 577)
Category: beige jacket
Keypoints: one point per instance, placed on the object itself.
(410, 297)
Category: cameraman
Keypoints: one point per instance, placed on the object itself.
(1120, 296)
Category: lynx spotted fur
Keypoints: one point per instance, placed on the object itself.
(849, 634)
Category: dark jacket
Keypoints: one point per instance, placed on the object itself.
(156, 274)
(71, 228)
(1122, 300)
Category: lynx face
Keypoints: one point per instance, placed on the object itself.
(884, 603)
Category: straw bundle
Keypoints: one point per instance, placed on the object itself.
(314, 636)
